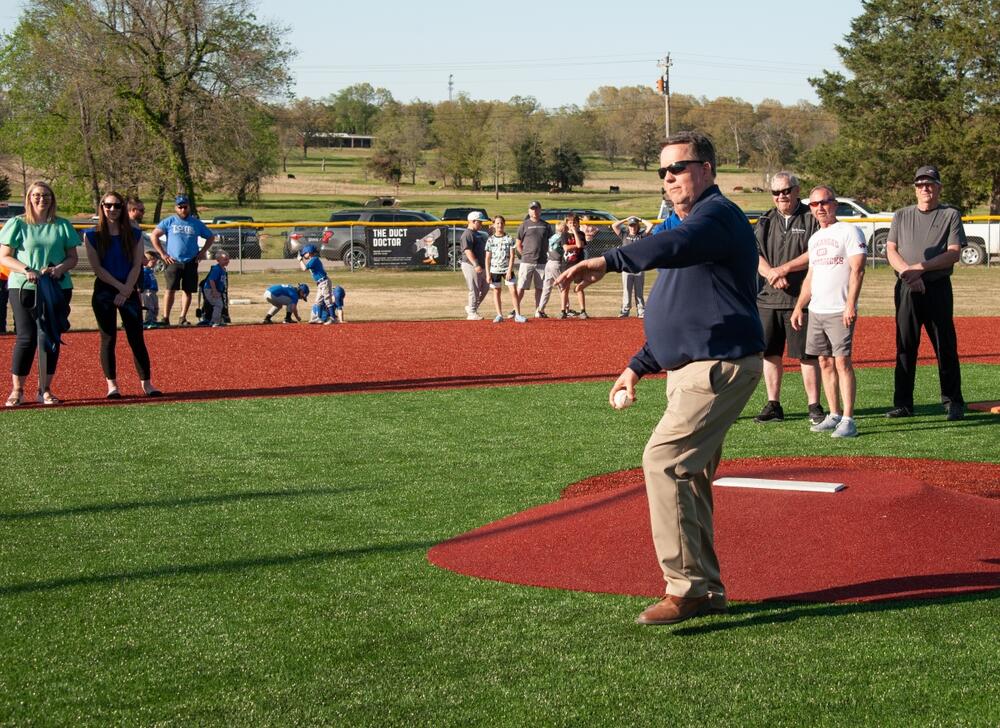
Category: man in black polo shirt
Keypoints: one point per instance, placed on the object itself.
(925, 241)
(782, 245)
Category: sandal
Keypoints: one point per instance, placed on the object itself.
(47, 398)
(15, 399)
(185, 322)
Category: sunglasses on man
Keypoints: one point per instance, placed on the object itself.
(677, 167)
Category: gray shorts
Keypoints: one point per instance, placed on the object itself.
(826, 335)
(530, 275)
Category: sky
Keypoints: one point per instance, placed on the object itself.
(560, 51)
(557, 51)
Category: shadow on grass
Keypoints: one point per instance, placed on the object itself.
(217, 567)
(789, 609)
(173, 503)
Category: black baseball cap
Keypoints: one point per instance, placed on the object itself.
(928, 172)
(535, 203)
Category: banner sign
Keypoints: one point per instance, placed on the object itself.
(408, 247)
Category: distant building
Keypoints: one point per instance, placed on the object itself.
(340, 139)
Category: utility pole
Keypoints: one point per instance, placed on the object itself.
(450, 84)
(663, 86)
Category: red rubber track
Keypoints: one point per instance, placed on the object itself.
(278, 360)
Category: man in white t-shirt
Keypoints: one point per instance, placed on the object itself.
(837, 254)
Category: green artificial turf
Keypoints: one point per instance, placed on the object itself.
(263, 562)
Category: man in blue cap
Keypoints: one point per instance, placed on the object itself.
(184, 233)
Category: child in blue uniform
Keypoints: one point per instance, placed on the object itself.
(287, 297)
(214, 290)
(310, 262)
(149, 292)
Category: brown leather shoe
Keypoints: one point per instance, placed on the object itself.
(671, 610)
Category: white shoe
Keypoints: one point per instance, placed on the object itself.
(518, 318)
(846, 428)
(827, 425)
(473, 317)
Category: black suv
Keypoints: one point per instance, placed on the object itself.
(234, 240)
(462, 213)
(346, 242)
(9, 210)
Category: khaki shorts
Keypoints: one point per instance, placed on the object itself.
(826, 335)
(530, 275)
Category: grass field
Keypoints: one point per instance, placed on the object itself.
(262, 562)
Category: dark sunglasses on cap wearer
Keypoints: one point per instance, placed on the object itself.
(779, 193)
(924, 184)
(677, 167)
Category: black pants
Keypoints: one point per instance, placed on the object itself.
(22, 305)
(933, 310)
(106, 314)
(4, 295)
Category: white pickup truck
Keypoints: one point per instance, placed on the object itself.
(875, 225)
(983, 236)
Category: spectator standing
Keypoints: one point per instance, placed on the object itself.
(712, 353)
(925, 241)
(500, 264)
(149, 291)
(532, 245)
(114, 249)
(214, 290)
(33, 246)
(567, 237)
(310, 262)
(633, 284)
(183, 251)
(831, 289)
(287, 297)
(4, 297)
(473, 251)
(782, 236)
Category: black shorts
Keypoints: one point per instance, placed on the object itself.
(778, 331)
(182, 276)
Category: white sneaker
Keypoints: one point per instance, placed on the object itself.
(498, 319)
(473, 317)
(518, 318)
(827, 425)
(846, 428)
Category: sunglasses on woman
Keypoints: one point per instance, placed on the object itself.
(111, 205)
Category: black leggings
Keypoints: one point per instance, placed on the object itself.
(22, 305)
(106, 314)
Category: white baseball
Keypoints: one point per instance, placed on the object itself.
(622, 400)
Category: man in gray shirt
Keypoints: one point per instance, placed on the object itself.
(533, 246)
(924, 244)
(473, 250)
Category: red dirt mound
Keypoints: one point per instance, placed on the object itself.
(892, 533)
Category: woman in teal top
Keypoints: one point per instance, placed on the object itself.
(32, 245)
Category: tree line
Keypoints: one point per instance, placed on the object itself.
(165, 96)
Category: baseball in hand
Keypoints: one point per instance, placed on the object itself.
(622, 400)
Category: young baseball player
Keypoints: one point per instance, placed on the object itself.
(310, 262)
(149, 291)
(214, 289)
(500, 253)
(633, 284)
(287, 297)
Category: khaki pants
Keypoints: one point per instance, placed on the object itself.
(704, 399)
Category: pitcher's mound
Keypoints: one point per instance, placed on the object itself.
(899, 529)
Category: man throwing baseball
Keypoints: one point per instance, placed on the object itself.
(702, 326)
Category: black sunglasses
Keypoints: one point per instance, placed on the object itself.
(786, 191)
(111, 205)
(677, 167)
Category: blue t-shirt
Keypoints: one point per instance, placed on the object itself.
(114, 260)
(279, 290)
(218, 274)
(149, 280)
(315, 266)
(182, 236)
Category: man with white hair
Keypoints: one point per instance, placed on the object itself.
(783, 234)
(473, 251)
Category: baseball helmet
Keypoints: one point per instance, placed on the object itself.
(309, 249)
(303, 290)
